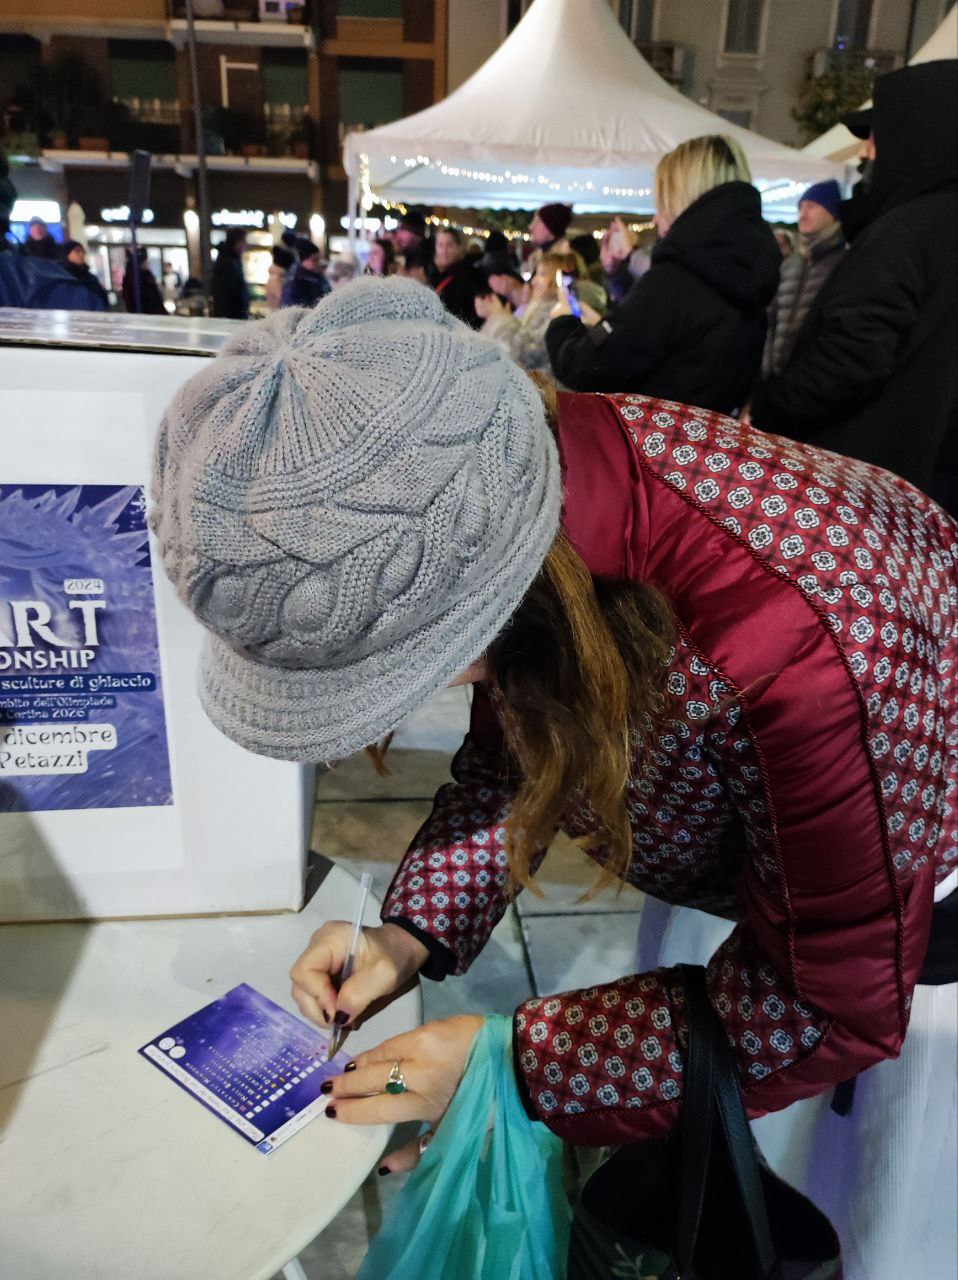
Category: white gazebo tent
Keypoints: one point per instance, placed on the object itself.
(839, 144)
(566, 109)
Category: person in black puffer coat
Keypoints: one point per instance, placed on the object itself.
(228, 289)
(39, 243)
(458, 280)
(150, 300)
(693, 327)
(306, 283)
(821, 246)
(73, 260)
(873, 373)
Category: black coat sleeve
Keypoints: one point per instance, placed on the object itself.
(619, 353)
(855, 333)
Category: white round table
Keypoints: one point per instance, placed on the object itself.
(107, 1169)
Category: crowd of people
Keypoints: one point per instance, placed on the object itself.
(832, 334)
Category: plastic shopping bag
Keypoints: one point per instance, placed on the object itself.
(481, 1205)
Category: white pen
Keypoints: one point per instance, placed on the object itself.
(340, 1033)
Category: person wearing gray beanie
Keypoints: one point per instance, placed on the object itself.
(353, 499)
(361, 503)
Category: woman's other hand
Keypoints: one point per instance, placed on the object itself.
(386, 958)
(616, 246)
(432, 1060)
(589, 315)
(562, 307)
(516, 292)
(490, 304)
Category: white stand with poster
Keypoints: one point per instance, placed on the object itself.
(117, 796)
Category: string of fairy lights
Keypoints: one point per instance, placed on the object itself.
(541, 180)
(370, 199)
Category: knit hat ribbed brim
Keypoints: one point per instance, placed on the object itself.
(353, 499)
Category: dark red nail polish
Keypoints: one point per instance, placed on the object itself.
(326, 1086)
(326, 1015)
(382, 1171)
(340, 1017)
(350, 1066)
(331, 1113)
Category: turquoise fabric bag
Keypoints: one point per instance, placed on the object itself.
(481, 1205)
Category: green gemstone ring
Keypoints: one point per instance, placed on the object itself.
(397, 1081)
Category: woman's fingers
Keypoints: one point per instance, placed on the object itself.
(370, 1079)
(589, 315)
(381, 1108)
(391, 1051)
(311, 974)
(404, 1158)
(309, 1006)
(375, 977)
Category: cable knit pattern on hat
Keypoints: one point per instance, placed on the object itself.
(353, 499)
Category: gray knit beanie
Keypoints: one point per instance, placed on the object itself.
(353, 499)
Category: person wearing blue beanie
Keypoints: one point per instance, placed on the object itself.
(821, 246)
(827, 194)
(872, 373)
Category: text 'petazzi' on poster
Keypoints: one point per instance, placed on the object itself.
(82, 724)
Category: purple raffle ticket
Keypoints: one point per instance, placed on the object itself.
(251, 1063)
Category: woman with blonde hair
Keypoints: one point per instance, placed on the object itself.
(522, 333)
(693, 327)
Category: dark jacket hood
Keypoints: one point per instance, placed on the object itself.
(726, 242)
(916, 133)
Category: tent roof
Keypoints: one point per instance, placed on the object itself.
(838, 143)
(565, 109)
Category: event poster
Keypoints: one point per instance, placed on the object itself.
(251, 1063)
(82, 723)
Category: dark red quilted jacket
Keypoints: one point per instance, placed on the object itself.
(804, 785)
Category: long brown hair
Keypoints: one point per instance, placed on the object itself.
(579, 675)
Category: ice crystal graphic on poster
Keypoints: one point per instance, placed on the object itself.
(82, 724)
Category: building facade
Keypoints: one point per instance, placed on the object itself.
(83, 83)
(747, 60)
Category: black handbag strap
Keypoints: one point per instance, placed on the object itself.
(712, 1094)
(697, 1130)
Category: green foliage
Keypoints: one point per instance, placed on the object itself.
(828, 97)
(62, 97)
(505, 219)
(22, 146)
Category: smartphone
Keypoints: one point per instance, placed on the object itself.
(568, 282)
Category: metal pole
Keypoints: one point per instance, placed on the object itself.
(202, 191)
(353, 204)
(135, 268)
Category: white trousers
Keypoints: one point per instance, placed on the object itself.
(887, 1173)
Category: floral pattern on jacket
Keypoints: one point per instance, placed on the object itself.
(856, 574)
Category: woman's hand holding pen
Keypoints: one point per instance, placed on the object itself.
(432, 1058)
(385, 960)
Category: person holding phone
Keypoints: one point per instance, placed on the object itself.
(621, 260)
(692, 328)
(522, 334)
